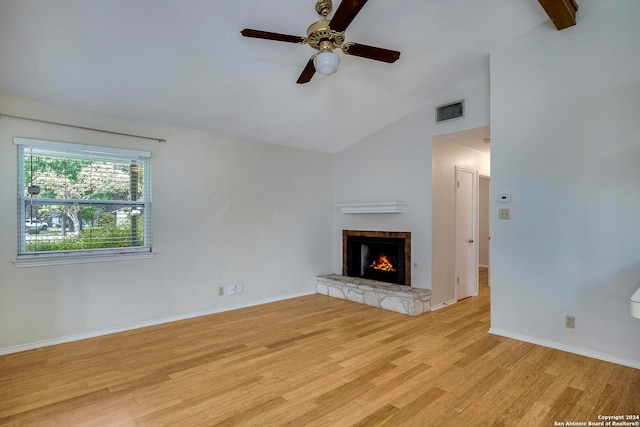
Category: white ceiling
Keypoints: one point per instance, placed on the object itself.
(477, 139)
(184, 62)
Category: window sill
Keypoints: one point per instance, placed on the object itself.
(34, 262)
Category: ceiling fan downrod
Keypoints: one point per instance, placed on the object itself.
(323, 7)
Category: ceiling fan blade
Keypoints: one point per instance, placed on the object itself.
(347, 10)
(371, 52)
(307, 73)
(258, 34)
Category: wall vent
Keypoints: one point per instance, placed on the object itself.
(450, 111)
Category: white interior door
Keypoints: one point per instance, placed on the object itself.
(466, 265)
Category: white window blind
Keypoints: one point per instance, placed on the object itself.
(82, 200)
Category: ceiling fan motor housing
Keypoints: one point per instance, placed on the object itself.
(320, 32)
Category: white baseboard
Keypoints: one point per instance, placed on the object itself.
(93, 334)
(443, 305)
(567, 348)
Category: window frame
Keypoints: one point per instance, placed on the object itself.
(81, 255)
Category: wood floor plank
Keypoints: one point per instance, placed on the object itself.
(409, 410)
(469, 393)
(482, 412)
(535, 415)
(378, 417)
(563, 406)
(312, 361)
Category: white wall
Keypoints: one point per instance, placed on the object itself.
(565, 140)
(446, 157)
(224, 210)
(394, 164)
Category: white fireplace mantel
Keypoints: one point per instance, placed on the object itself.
(372, 208)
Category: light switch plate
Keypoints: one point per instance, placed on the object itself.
(570, 322)
(504, 213)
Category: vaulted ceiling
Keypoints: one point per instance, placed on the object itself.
(184, 62)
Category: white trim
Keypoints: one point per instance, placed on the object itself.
(567, 348)
(488, 178)
(108, 331)
(44, 261)
(61, 201)
(40, 143)
(443, 305)
(372, 208)
(635, 304)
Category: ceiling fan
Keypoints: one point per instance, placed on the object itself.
(325, 36)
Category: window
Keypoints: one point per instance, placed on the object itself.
(82, 200)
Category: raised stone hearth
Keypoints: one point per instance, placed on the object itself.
(398, 298)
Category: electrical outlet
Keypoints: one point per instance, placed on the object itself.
(570, 322)
(504, 213)
(239, 287)
(220, 291)
(231, 290)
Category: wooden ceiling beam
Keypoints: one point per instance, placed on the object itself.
(561, 12)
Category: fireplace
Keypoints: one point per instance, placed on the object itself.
(377, 255)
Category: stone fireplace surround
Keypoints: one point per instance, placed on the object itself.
(394, 297)
(398, 298)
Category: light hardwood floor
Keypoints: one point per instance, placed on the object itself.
(313, 361)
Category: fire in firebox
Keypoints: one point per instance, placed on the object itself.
(383, 263)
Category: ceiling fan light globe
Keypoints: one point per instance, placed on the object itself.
(326, 63)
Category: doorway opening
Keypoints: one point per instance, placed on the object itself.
(455, 272)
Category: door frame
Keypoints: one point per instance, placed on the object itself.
(488, 178)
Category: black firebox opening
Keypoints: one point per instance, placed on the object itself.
(376, 258)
